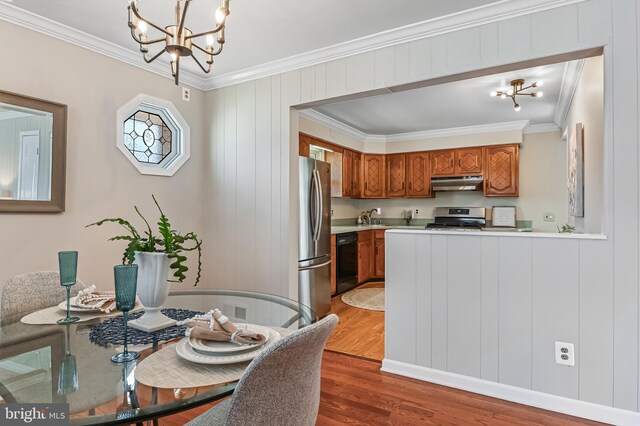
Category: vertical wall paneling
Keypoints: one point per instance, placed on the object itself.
(419, 59)
(555, 304)
(320, 81)
(360, 72)
(423, 300)
(439, 55)
(439, 282)
(230, 188)
(594, 20)
(625, 204)
(279, 245)
(596, 322)
(307, 84)
(385, 66)
(490, 308)
(401, 58)
(463, 48)
(246, 249)
(555, 27)
(463, 305)
(215, 191)
(514, 37)
(515, 312)
(489, 42)
(264, 197)
(336, 78)
(401, 252)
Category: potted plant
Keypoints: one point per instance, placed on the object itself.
(155, 255)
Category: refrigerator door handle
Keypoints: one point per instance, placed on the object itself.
(320, 265)
(313, 206)
(319, 204)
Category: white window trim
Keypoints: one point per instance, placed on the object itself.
(181, 142)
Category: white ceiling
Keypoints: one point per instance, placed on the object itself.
(259, 31)
(452, 105)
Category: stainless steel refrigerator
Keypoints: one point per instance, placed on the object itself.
(314, 241)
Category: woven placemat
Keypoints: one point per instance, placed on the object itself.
(111, 331)
(165, 369)
(53, 314)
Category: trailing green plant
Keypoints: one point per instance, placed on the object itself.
(169, 241)
(566, 229)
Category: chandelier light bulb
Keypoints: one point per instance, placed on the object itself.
(220, 16)
(539, 95)
(493, 93)
(538, 83)
(174, 57)
(142, 27)
(503, 96)
(210, 40)
(516, 107)
(510, 92)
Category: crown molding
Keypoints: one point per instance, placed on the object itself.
(541, 128)
(498, 11)
(345, 129)
(570, 79)
(46, 26)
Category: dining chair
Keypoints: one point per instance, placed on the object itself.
(281, 386)
(29, 292)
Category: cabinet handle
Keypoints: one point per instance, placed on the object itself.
(403, 186)
(366, 185)
(409, 185)
(451, 162)
(459, 163)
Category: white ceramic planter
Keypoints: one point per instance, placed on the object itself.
(153, 289)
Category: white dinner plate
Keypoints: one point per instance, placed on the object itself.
(228, 348)
(185, 351)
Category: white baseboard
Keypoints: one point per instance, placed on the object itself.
(546, 401)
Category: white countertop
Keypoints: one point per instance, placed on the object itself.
(505, 234)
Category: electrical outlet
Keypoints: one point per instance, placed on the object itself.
(416, 212)
(331, 212)
(565, 354)
(186, 94)
(549, 217)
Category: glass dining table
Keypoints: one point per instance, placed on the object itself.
(35, 365)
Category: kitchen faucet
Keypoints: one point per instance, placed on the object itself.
(371, 212)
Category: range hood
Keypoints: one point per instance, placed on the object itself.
(457, 183)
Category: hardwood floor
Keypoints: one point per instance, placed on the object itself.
(354, 392)
(360, 331)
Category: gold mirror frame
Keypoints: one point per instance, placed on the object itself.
(58, 156)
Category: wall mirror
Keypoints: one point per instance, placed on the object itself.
(32, 154)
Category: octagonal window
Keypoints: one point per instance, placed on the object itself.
(153, 135)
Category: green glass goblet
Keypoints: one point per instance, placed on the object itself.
(126, 279)
(68, 264)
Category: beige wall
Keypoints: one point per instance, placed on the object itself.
(587, 107)
(101, 182)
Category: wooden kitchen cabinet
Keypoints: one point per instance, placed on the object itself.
(334, 265)
(373, 176)
(443, 162)
(304, 142)
(347, 173)
(365, 256)
(469, 161)
(419, 175)
(501, 171)
(357, 175)
(378, 253)
(396, 175)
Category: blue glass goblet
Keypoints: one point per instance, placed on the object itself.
(126, 279)
(68, 264)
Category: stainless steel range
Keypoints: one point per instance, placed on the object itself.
(458, 219)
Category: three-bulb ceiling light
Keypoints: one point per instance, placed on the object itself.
(179, 40)
(516, 89)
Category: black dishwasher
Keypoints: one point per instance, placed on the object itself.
(347, 261)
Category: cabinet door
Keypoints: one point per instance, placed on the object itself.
(418, 175)
(373, 176)
(501, 171)
(364, 261)
(334, 266)
(378, 253)
(347, 173)
(443, 163)
(469, 161)
(357, 175)
(396, 175)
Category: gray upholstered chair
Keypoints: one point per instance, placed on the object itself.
(281, 386)
(29, 292)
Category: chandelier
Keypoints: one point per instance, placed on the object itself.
(516, 89)
(179, 40)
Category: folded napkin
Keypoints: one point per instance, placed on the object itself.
(90, 298)
(215, 326)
